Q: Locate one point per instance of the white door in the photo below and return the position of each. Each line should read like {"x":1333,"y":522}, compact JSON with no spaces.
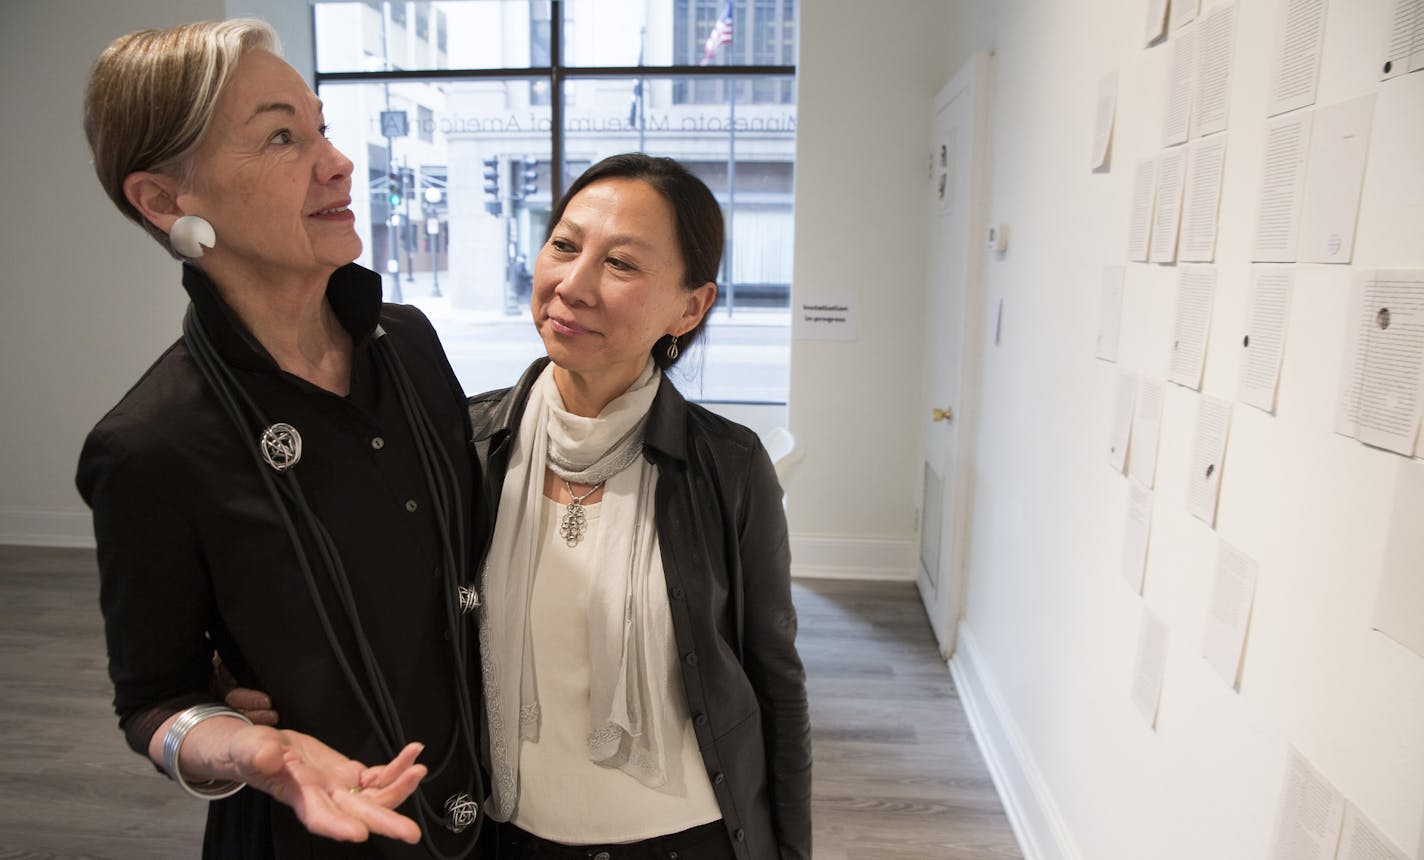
{"x":953,"y":319}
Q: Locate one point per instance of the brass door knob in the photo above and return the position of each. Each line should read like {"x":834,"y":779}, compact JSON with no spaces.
{"x":946,"y":414}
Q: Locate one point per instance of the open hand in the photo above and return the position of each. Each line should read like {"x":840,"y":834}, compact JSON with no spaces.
{"x":334,"y":796}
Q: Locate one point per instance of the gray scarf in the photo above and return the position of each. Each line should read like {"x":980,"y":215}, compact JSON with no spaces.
{"x":631,"y":651}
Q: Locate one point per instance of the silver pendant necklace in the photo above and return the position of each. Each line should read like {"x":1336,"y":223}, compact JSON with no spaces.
{"x":574,"y":522}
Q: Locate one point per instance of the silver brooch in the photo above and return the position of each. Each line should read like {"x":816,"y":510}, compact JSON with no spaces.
{"x":281,"y":446}
{"x":469,"y":599}
{"x":462,"y":810}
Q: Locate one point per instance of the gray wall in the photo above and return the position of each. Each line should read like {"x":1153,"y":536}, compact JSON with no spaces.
{"x":89,"y":300}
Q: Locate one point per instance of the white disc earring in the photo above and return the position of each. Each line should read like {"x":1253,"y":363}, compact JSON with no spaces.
{"x":190,"y":234}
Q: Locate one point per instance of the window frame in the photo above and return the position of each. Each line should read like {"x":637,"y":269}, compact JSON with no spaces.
{"x":556,"y":73}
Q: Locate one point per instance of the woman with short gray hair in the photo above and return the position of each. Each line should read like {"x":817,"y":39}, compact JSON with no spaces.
{"x":286,"y":485}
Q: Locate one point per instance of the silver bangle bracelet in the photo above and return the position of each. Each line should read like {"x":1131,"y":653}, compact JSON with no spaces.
{"x":173,"y":742}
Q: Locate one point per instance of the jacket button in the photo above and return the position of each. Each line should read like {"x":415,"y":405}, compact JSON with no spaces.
{"x":700,"y":719}
{"x":602,"y":855}
{"x":410,"y":505}
{"x":741,"y":835}
{"x":377,"y":442}
{"x":690,"y":659}
{"x":718,"y":778}
{"x":677,"y":592}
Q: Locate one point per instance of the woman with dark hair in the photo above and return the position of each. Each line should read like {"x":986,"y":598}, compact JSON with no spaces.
{"x":643,"y":690}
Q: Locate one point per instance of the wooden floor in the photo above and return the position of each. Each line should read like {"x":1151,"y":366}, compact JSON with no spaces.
{"x":897,"y":774}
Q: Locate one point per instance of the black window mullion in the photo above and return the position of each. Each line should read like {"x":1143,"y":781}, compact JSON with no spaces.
{"x":556,"y":100}
{"x":715,"y":77}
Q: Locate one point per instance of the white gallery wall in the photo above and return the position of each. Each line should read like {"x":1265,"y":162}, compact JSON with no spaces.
{"x":865,"y":75}
{"x":1049,"y":638}
{"x":86,"y":300}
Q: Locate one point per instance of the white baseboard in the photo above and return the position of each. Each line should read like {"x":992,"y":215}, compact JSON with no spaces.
{"x":1035,"y":818}
{"x":854,"y":558}
{"x":46,"y":528}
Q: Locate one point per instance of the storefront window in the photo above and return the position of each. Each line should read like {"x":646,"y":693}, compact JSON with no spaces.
{"x":459,"y":122}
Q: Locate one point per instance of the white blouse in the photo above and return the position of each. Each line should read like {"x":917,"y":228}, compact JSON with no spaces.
{"x":563,"y":795}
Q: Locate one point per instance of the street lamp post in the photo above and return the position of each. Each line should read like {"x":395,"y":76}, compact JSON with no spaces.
{"x":432,"y":229}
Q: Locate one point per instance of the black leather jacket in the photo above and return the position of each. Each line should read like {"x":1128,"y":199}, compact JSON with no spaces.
{"x":725,"y":556}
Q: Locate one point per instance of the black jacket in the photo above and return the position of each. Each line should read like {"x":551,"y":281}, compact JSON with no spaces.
{"x":725,"y":556}
{"x":194,"y":555}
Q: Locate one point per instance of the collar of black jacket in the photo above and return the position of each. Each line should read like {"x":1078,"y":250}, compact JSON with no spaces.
{"x":354,"y":293}
{"x":667,"y":418}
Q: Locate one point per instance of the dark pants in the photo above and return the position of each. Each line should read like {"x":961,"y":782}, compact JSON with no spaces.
{"x":707,"y":842}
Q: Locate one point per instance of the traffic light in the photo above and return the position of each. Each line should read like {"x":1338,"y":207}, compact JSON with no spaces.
{"x":529,"y":177}
{"x":492,"y":205}
{"x":395,"y":186}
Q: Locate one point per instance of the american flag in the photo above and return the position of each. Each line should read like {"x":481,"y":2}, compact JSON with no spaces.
{"x":721,"y":35}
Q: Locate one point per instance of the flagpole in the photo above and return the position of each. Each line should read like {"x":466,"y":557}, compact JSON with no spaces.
{"x":731,"y":183}
{"x":642,"y":106}
{"x":721,"y":35}
{"x":390,"y":171}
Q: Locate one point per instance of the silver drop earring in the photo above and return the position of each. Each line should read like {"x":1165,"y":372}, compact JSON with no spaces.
{"x":672,"y":349}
